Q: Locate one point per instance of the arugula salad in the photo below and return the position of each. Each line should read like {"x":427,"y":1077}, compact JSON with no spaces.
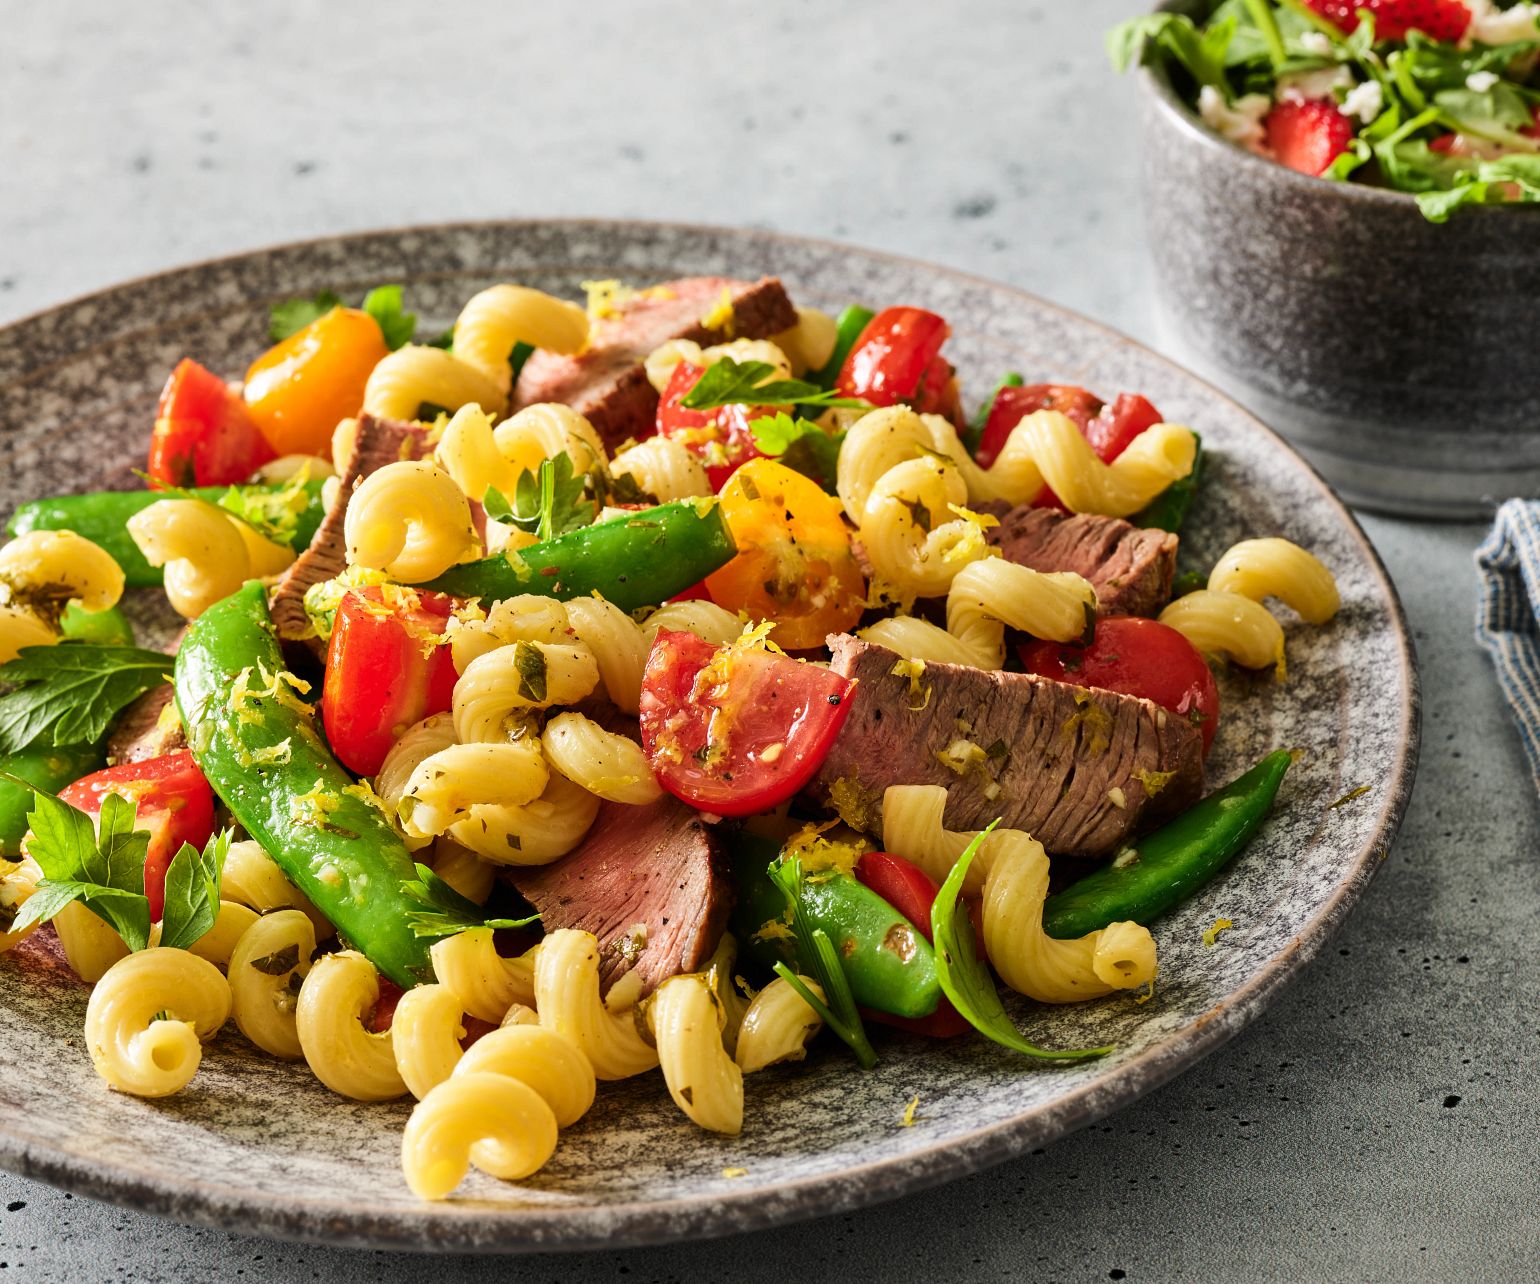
{"x":590,"y":690}
{"x":1440,"y":98}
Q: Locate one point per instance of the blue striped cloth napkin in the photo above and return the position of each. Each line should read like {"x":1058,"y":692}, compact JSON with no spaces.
{"x":1506,"y":623}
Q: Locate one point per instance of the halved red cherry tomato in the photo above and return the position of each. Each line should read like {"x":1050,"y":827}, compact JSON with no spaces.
{"x":1012,"y":405}
{"x":203,"y":435}
{"x":1136,"y":657}
{"x":898,"y":359}
{"x":384,"y":1014}
{"x":910,"y":890}
{"x":721,"y":437}
{"x":795,"y":564}
{"x":175,"y":805}
{"x":734,"y":729}
{"x":386,"y":668}
{"x":300,"y":389}
{"x":1115,"y":427}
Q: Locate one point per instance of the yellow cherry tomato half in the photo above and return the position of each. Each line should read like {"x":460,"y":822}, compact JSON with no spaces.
{"x":795,"y":564}
{"x":300,"y":389}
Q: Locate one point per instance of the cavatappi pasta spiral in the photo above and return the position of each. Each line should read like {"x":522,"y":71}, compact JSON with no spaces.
{"x":207,"y":553}
{"x":703,"y":1079}
{"x":500,"y":1109}
{"x":410,"y":520}
{"x":567,"y":999}
{"x":149,"y":1016}
{"x":986,"y":596}
{"x":484,"y":982}
{"x":1228,"y":618}
{"x":267,"y":970}
{"x":777,"y":1026}
{"x":1011,"y":870}
{"x":42,"y":572}
{"x":477,"y":369}
{"x":337,"y":996}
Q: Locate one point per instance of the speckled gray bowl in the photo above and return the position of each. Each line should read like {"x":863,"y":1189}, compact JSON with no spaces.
{"x":260,"y":1146}
{"x":1400,"y":355}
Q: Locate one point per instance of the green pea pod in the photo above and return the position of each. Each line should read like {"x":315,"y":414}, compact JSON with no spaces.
{"x":637,"y":560}
{"x":48,"y":768}
{"x":103,"y":517}
{"x":848,"y":328}
{"x":975,"y":430}
{"x":1169,"y":509}
{"x":889,"y":963}
{"x":1173,"y":862}
{"x":265,"y":758}
{"x":104,"y":628}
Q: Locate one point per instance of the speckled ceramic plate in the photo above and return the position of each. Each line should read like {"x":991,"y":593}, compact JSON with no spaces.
{"x":259,"y":1146}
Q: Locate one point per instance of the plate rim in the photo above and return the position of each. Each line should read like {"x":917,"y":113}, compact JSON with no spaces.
{"x":475,"y":1226}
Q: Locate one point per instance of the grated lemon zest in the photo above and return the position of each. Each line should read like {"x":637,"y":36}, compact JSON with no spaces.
{"x":1211,"y":935}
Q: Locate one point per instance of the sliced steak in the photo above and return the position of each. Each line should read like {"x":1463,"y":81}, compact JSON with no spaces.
{"x":1131,"y":567}
{"x":379,"y":442}
{"x":148,"y":728}
{"x":649,"y":882}
{"x":1077,"y":768}
{"x":607,"y":384}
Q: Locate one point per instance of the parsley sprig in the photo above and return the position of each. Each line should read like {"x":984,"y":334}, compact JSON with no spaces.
{"x":548,"y":503}
{"x":445,"y":912}
{"x":102,"y":867}
{"x":383,"y":303}
{"x":965,"y":978}
{"x":813,"y":943}
{"x":753,"y":383}
{"x":69,"y":694}
{"x":801,"y":445}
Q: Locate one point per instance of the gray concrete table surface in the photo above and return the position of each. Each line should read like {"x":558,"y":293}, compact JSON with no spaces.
{"x":1379,"y":1121}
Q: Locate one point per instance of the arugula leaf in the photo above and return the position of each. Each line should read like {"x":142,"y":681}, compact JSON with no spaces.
{"x":839,"y":1013}
{"x":965,"y":980}
{"x":801,"y":445}
{"x":1202,"y":53}
{"x":108,"y":879}
{"x":751,"y":383}
{"x":445,"y":912}
{"x":293,"y":315}
{"x":192,"y":892}
{"x":383,"y":303}
{"x":548,"y":503}
{"x":69,"y":693}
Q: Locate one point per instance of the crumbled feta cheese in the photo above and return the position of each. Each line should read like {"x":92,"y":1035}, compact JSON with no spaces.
{"x":1364,"y":101}
{"x":1312,"y":86}
{"x":1478,"y":82}
{"x":1490,"y":25}
{"x":1241,"y":123}
{"x":1317,"y":43}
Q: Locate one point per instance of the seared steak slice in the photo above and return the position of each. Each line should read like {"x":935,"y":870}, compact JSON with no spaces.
{"x":1130,"y":567}
{"x":148,"y":728}
{"x":606,"y":382}
{"x":649,"y":882}
{"x":379,"y":442}
{"x":1077,"y":768}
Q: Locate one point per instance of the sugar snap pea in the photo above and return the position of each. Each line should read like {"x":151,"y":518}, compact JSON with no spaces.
{"x":1167,"y":866}
{"x":257,"y":742}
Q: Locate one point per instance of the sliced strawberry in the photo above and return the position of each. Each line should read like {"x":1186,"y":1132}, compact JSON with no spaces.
{"x":1307,"y":136}
{"x":1440,"y":19}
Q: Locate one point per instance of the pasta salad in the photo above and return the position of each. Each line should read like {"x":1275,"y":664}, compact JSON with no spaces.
{"x":651,"y":684}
